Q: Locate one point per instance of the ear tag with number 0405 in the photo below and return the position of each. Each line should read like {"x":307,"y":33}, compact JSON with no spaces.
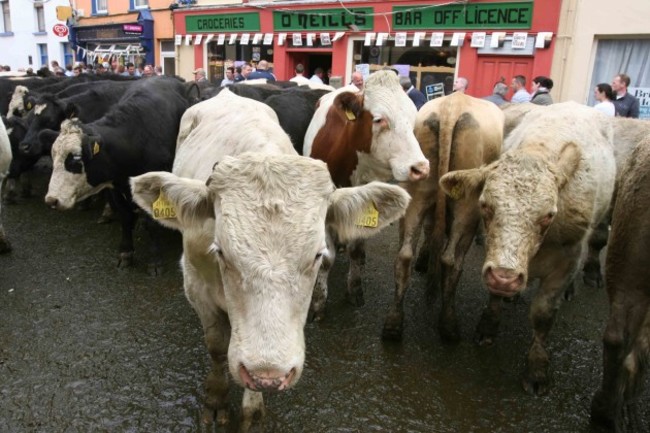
{"x":369,"y":217}
{"x":162,"y":208}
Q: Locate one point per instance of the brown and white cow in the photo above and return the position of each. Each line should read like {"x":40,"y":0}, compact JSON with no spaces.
{"x":5,"y":163}
{"x":364,"y":136}
{"x":626,"y":341}
{"x":254,"y":237}
{"x":539,"y":202}
{"x":456,"y":132}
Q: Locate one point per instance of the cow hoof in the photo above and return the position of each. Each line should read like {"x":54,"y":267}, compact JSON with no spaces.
{"x":538,"y":387}
{"x":449,"y":332}
{"x":104,"y":219}
{"x":593,"y":280}
{"x":155,"y":269}
{"x":393,"y":327}
{"x":10,"y":199}
{"x":422,"y":263}
{"x":484,"y":340}
{"x":356,"y":298}
{"x":125,"y":260}
{"x":5,"y":246}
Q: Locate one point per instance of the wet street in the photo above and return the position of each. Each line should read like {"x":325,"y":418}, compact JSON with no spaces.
{"x":85,"y":347}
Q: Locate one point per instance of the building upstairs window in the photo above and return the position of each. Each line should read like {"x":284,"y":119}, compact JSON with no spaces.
{"x":40,"y":16}
{"x":6,"y":17}
{"x":139,"y":4}
{"x":100,"y":7}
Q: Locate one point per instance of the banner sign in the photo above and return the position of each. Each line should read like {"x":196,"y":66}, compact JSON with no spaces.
{"x":249,"y":22}
{"x":507,"y":15}
{"x":323,"y":19}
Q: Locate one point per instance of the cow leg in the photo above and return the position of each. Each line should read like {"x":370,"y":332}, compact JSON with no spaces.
{"x":252,"y":409}
{"x":357,"y":252}
{"x":319,"y":296}
{"x":422,"y":262}
{"x":155,"y":257}
{"x":5,"y":246}
{"x":107,"y":213}
{"x":217,"y":339}
{"x":597,"y":241}
{"x":409,"y":229}
{"x":463,"y":228}
{"x":124,"y":209}
{"x":9,"y":195}
{"x":543,"y":310}
{"x":488,"y":327}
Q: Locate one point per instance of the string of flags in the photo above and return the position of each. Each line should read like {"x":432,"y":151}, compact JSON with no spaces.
{"x":518,"y":40}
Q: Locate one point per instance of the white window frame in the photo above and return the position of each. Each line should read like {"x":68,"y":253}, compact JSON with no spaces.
{"x":6,"y":16}
{"x":39,"y":12}
{"x":140,"y":4}
{"x":98,"y":6}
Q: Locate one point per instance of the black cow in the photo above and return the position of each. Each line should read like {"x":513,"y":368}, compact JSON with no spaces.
{"x":8,"y":85}
{"x":626,"y":341}
{"x":295,"y":108}
{"x":136,"y":136}
{"x":16,"y":130}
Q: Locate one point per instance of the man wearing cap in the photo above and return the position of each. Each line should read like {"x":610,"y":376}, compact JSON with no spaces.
{"x":199,"y":75}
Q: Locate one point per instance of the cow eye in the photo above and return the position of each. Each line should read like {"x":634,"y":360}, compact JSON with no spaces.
{"x":73,"y":163}
{"x":319,"y":255}
{"x":215,"y":250}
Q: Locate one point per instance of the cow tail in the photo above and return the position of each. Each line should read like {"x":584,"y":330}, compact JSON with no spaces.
{"x":445,"y":137}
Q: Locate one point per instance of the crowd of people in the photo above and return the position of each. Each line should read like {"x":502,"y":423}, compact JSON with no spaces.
{"x":78,"y":68}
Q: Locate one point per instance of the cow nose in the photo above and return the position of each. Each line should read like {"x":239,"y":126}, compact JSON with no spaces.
{"x":51,"y":201}
{"x":266,"y":380}
{"x":503,"y":281}
{"x":419,"y":171}
{"x":24,"y":147}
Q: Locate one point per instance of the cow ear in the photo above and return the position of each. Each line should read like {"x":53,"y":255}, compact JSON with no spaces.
{"x":567,"y":163}
{"x":47,"y":137}
{"x":362,"y":211}
{"x":463,"y":183}
{"x":349,"y":103}
{"x":173,"y":201}
{"x":70,"y":110}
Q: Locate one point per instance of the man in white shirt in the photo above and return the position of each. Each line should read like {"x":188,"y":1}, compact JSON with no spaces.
{"x":318,"y":76}
{"x":299,"y":77}
{"x":519,"y":87}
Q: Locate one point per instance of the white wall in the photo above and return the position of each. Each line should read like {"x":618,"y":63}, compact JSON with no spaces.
{"x":14,"y":50}
{"x":581,"y":24}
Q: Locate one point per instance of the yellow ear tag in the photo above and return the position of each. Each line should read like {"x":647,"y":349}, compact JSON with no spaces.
{"x":369,"y":217}
{"x":456,"y":192}
{"x":29,"y":105}
{"x":350,"y":115}
{"x":96,"y":148}
{"x":162,"y":208}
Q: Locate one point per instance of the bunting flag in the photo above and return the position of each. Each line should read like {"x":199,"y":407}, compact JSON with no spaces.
{"x":221,"y":39}
{"x":543,"y":39}
{"x":281,"y":38}
{"x":297,"y":40}
{"x":208,"y":39}
{"x":178,"y":39}
{"x":337,"y":36}
{"x":257,"y":38}
{"x":478,"y":39}
{"x":417,"y":36}
{"x":188,"y":39}
{"x":519,"y":40}
{"x":458,"y":39}
{"x":245,"y":38}
{"x":233,"y":39}
{"x":497,"y":39}
{"x":268,"y":39}
{"x":325,"y":39}
{"x":400,"y":39}
{"x":370,"y":36}
{"x":310,"y":39}
{"x":437,"y":38}
{"x":381,"y":37}
{"x":198,"y":39}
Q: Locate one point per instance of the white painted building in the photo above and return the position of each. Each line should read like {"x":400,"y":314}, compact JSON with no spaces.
{"x":27,"y":34}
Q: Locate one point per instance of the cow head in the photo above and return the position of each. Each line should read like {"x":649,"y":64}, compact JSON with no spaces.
{"x":518,"y":200}
{"x":262,"y":222}
{"x":80,"y":167}
{"x":47,"y":114}
{"x":393,"y":119}
{"x":18,"y":103}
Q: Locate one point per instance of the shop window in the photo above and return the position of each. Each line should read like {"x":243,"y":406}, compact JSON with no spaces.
{"x":100,"y":7}
{"x":626,"y":56}
{"x":40,"y":16}
{"x":222,"y":56}
{"x":168,"y":57}
{"x":138,"y":4}
{"x":68,"y":56}
{"x":42,"y":53}
{"x":6,"y":16}
{"x":425,"y":65}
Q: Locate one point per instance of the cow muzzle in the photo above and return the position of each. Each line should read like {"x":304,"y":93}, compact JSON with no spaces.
{"x":419,"y":171}
{"x":266,"y":380}
{"x":503,"y":281}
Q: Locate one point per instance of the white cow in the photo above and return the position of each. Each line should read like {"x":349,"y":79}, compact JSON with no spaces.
{"x":539,"y":203}
{"x":5,"y":162}
{"x":253,"y":239}
{"x":363,"y":137}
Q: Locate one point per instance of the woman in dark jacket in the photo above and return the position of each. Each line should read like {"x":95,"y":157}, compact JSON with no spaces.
{"x":541,"y":86}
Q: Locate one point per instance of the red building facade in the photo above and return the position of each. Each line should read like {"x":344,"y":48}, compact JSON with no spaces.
{"x":432,"y":41}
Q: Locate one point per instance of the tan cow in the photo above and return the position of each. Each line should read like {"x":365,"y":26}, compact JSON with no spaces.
{"x":455,"y":132}
{"x":626,"y":341}
{"x":254,"y":217}
{"x":363,"y":137}
{"x":539,"y":202}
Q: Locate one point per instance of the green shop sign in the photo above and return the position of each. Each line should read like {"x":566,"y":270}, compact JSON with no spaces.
{"x":223,"y":23}
{"x":508,"y":15}
{"x":323,"y":19}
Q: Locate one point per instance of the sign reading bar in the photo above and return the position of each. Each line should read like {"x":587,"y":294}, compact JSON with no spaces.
{"x":323,"y":19}
{"x":507,"y":15}
{"x":249,"y":21}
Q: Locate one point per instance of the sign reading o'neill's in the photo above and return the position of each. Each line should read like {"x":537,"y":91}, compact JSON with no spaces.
{"x":323,"y":19}
{"x":506,"y":15}
{"x":247,"y":21}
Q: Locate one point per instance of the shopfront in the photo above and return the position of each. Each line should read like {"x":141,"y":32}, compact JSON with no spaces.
{"x":484,"y":41}
{"x":127,"y":42}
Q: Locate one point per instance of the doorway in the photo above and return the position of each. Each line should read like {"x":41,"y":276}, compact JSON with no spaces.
{"x":310,"y":61}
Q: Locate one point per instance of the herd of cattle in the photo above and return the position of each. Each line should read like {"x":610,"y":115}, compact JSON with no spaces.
{"x":261,"y":223}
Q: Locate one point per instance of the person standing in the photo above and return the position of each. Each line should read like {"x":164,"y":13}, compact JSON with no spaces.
{"x":262,"y":72}
{"x":460,"y":84}
{"x":626,"y":104}
{"x":541,"y":86}
{"x":605,"y":95}
{"x":414,"y":94}
{"x":498,"y":95}
{"x":357,"y":80}
{"x":200,"y":75}
{"x":519,"y":87}
{"x":300,"y":78}
{"x":318,"y":76}
{"x":230,"y":77}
